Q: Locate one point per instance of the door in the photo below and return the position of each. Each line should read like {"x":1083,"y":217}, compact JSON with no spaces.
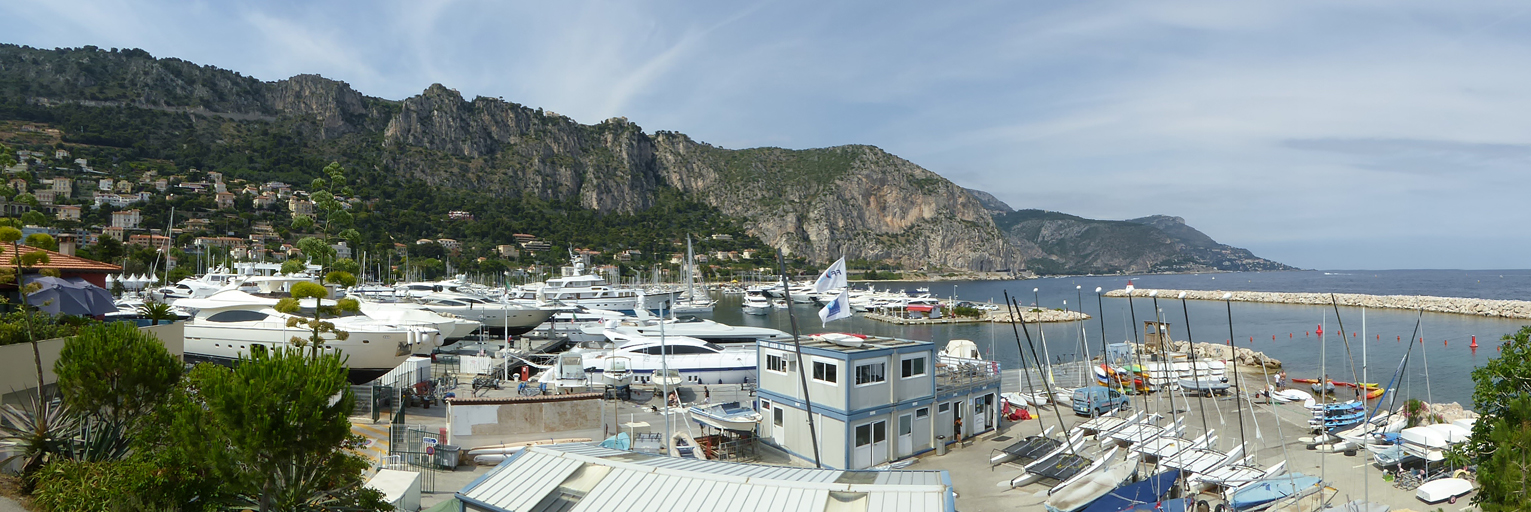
{"x":981,"y":415}
{"x":861,"y":456}
{"x":959,"y":422}
{"x":905,"y":435}
{"x":778,"y":428}
{"x":879,"y":443}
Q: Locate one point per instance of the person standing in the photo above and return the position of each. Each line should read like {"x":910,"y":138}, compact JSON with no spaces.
{"x":957,"y":429}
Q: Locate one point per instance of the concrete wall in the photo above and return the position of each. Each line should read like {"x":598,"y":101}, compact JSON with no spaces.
{"x":476,"y":417}
{"x":18,"y":371}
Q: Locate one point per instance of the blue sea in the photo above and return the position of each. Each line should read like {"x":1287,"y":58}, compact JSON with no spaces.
{"x":1439,"y":369}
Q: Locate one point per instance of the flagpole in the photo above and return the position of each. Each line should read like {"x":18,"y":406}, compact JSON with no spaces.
{"x":802,"y":371}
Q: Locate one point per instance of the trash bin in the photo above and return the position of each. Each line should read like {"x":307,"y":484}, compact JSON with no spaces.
{"x":940,"y":445}
{"x":447,"y":455}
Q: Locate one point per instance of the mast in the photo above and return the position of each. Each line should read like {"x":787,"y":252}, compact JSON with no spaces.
{"x":1039,"y":369}
{"x":1234,"y":355}
{"x":1030,"y":388}
{"x":802,"y":372}
{"x":1195,"y":376}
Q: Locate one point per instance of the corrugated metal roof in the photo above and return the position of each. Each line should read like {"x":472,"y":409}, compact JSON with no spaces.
{"x":519,"y":485}
{"x":649,"y":482}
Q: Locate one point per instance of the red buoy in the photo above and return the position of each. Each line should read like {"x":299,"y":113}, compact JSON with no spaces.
{"x":1443,"y":342}
{"x":1475,"y":343}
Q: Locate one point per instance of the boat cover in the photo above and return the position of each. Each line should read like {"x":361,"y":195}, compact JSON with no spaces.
{"x":1146,"y":492}
{"x":1084,"y":492}
{"x":1271,"y":489}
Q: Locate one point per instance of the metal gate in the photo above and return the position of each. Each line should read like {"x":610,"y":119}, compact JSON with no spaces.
{"x":408,"y":450}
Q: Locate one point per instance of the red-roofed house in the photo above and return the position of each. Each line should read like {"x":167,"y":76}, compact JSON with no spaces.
{"x":68,"y":266}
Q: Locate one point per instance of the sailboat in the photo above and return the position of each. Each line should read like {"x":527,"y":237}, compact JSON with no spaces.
{"x":1027,"y":449}
{"x":1075,"y":495}
{"x":690,"y":302}
{"x":1150,"y":491}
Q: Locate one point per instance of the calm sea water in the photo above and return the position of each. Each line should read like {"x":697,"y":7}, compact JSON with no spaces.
{"x":1439,"y":369}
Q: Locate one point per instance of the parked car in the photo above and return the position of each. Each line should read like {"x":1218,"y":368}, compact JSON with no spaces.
{"x":1098,"y":400}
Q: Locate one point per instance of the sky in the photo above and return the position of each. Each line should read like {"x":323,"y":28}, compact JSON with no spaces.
{"x":1322,"y":134}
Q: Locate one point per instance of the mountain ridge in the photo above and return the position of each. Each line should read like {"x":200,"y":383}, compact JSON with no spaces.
{"x":856,"y":201}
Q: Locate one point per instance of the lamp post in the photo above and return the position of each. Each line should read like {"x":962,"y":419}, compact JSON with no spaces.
{"x":1036,"y":298}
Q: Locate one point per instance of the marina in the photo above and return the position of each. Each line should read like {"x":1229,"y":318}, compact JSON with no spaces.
{"x":1088,"y":419}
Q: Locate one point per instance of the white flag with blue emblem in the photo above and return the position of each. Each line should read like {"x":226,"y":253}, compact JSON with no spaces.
{"x":836,"y":309}
{"x":833,"y":277}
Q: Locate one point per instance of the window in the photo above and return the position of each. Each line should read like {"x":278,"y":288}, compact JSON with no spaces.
{"x":871,"y":373}
{"x":914,"y":367}
{"x":944,"y":408}
{"x":826,"y":372}
{"x":237,"y":315}
{"x":778,"y":416}
{"x":776,"y":363}
{"x":922,"y":412}
{"x":765,"y":405}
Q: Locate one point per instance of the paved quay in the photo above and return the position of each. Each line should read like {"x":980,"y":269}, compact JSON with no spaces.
{"x":1273,"y":434}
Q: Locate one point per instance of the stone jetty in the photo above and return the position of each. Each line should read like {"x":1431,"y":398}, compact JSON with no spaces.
{"x":1039,"y":316}
{"x":1450,"y":305}
{"x":1213,"y":351}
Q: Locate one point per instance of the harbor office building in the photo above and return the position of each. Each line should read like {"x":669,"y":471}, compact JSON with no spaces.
{"x":874,"y":402}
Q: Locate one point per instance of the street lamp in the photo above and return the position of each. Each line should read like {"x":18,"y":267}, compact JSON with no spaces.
{"x":1036,"y":298}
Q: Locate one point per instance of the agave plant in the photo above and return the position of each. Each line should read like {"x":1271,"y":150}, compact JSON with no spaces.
{"x":307,"y":488}
{"x":38,"y":434}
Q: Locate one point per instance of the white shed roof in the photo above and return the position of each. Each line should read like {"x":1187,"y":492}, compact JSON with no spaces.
{"x":588,"y":478}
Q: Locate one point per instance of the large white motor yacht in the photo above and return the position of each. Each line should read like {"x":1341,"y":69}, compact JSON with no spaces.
{"x":229,"y":324}
{"x":698,"y":361}
{"x":756,"y":303}
{"x":703,"y":329}
{"x":496,"y":316}
{"x":576,"y":288}
{"x":452,"y":327}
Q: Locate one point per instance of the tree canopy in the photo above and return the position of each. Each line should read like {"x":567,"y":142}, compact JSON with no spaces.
{"x":1501,"y":441}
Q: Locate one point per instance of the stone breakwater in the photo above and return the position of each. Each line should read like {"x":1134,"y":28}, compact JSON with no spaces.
{"x":1039,"y":316}
{"x":1216,"y":352}
{"x":1450,"y":305}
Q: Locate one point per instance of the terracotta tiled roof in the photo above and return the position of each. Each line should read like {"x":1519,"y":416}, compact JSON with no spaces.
{"x":59,"y":261}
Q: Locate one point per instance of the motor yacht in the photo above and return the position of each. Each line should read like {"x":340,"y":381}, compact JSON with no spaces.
{"x":756,"y":303}
{"x":576,"y":288}
{"x":452,"y":327}
{"x":228,"y":324}
{"x":703,"y":329}
{"x":697,"y":361}
{"x":495,"y":316}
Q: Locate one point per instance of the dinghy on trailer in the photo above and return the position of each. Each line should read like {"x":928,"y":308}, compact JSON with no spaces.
{"x":1072,"y":496}
{"x":1059,"y":466}
{"x":1144,"y":431}
{"x":1150,"y":492}
{"x":1262,"y":493}
{"x":1445,"y":489}
{"x":1027,"y":449}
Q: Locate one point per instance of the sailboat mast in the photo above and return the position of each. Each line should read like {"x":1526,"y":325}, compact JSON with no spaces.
{"x":1039,"y":369}
{"x":1233,"y":355}
{"x":1015,"y":312}
{"x":1195,"y":376}
{"x":802,"y":372}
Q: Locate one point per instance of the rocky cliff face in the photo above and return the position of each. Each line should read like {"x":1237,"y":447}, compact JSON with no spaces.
{"x":855,"y":201}
{"x":1070,"y":244}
